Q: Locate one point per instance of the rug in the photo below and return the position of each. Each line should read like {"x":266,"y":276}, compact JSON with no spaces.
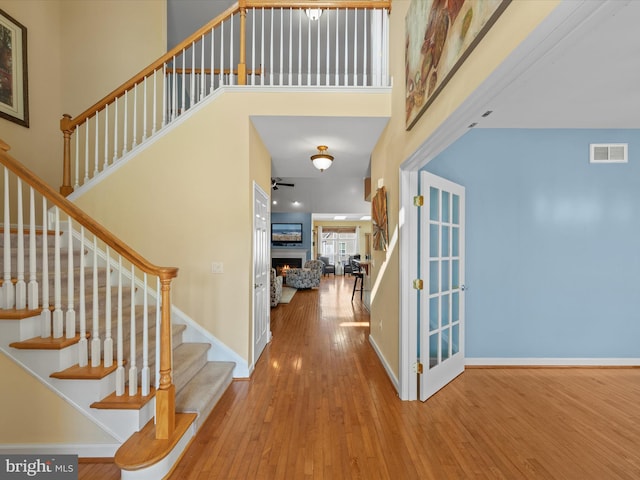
{"x":287,"y":294}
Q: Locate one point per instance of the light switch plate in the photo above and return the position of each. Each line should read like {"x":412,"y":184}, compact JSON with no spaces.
{"x":217,"y":267}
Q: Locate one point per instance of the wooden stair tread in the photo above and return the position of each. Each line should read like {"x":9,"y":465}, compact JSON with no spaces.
{"x":76,"y":372}
{"x":142,"y":449}
{"x":21,"y":314}
{"x":124,"y":402}
{"x":49,"y":343}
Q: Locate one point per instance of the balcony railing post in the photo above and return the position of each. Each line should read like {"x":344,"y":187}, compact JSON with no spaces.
{"x":65,"y":125}
{"x":242,"y":66}
{"x":166,"y":393}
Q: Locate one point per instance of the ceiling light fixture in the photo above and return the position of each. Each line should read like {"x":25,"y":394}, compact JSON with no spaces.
{"x":322,"y":160}
{"x":313,"y":13}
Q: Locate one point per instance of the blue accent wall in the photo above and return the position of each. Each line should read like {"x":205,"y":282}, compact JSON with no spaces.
{"x":305,"y":219}
{"x":552,"y":243}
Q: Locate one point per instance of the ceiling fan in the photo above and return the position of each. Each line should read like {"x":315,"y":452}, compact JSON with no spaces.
{"x":276,"y":182}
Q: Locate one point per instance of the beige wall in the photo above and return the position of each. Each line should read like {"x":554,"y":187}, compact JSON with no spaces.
{"x":75,"y":58}
{"x":40,"y":145}
{"x":110,"y":42}
{"x":31,"y":413}
{"x":186,"y":201}
{"x":397,"y":144}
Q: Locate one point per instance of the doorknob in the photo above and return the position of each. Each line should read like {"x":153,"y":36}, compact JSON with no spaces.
{"x":463,"y":287}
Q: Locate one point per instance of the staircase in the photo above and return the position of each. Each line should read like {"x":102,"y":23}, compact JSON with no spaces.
{"x":90,"y":329}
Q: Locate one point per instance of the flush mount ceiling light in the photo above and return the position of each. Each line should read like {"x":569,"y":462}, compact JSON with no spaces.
{"x":313,"y":13}
{"x":322,"y":160}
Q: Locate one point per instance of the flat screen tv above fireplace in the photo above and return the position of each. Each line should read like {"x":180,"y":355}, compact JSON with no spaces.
{"x":286,"y":233}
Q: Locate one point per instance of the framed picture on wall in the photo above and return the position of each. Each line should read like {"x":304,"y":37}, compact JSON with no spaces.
{"x":379,"y":220}
{"x":14,"y":104}
{"x":440,"y":35}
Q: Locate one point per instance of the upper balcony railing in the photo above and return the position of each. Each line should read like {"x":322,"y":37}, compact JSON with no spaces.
{"x":271,"y":44}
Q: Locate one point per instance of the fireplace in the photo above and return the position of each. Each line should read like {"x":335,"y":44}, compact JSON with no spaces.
{"x":284,"y":263}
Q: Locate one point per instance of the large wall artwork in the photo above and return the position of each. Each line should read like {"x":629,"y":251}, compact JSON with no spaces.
{"x":440,"y":35}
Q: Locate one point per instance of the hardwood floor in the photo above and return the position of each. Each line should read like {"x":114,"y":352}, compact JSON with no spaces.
{"x":320,"y":406}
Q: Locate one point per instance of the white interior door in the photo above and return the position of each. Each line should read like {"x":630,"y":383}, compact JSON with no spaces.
{"x":261,"y":270}
{"x":441,"y":325}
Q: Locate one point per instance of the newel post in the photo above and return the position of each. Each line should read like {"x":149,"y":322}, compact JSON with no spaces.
{"x":242,"y":66}
{"x":65,"y":125}
{"x":166,"y":393}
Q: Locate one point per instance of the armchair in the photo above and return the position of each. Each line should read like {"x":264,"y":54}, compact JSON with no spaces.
{"x":327,"y":267}
{"x":306,"y":277}
{"x":276,"y":288}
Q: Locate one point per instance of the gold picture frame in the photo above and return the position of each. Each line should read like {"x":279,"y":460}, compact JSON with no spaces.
{"x":14,"y":99}
{"x":379,"y":220}
{"x":440,"y":35}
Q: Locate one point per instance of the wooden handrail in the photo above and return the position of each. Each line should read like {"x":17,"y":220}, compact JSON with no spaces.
{"x":384,"y":4}
{"x":81,"y":217}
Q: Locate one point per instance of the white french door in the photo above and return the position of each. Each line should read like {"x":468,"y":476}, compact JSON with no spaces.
{"x":261,"y":272}
{"x":441,"y":322}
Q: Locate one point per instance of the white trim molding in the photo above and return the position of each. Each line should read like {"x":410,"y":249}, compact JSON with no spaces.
{"x":385,"y":364}
{"x":552,"y":362}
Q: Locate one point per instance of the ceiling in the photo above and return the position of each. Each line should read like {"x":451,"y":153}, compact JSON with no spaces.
{"x":588,"y":79}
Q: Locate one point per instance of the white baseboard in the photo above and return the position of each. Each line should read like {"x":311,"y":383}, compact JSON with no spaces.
{"x":99,"y":450}
{"x":552,"y":362}
{"x":385,"y":364}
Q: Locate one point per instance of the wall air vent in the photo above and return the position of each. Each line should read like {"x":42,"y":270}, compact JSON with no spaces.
{"x":608,"y":153}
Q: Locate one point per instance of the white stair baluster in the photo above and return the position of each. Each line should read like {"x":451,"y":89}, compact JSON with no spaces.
{"x":318,"y":54}
{"x":45,"y":315}
{"x":134,"y":141}
{"x":202,"y":68}
{"x":308,"y":50}
{"x":58,"y":316}
{"x":77,"y":159}
{"x":115,"y":131}
{"x":133,"y":370}
{"x":83,"y":345}
{"x":281,"y":80}
{"x":192,"y":83}
{"x":355,"y":48}
{"x":365,"y":52}
{"x":346,"y":47}
{"x":120,"y":373}
{"x":154,"y":101}
{"x":328,"y":48}
{"x":106,"y":136}
{"x":146,"y":380}
{"x":96,"y":160}
{"x":290,"y":80}
{"x":174,"y":95}
{"x":212,"y":66}
{"x":125,"y":124}
{"x":32,"y":289}
{"x":108,"y":341}
{"x":86,"y":151}
{"x":231,"y":42}
{"x":95,"y":320}
{"x":337,"y":79}
{"x":184,"y":81}
{"x":70,"y":317}
{"x":271,"y":52}
{"x":300,"y":47}
{"x":253,"y":47}
{"x":262,"y":49}
{"x":8,"y":291}
{"x":221,"y":81}
{"x":21,"y":286}
{"x":144,"y":104}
